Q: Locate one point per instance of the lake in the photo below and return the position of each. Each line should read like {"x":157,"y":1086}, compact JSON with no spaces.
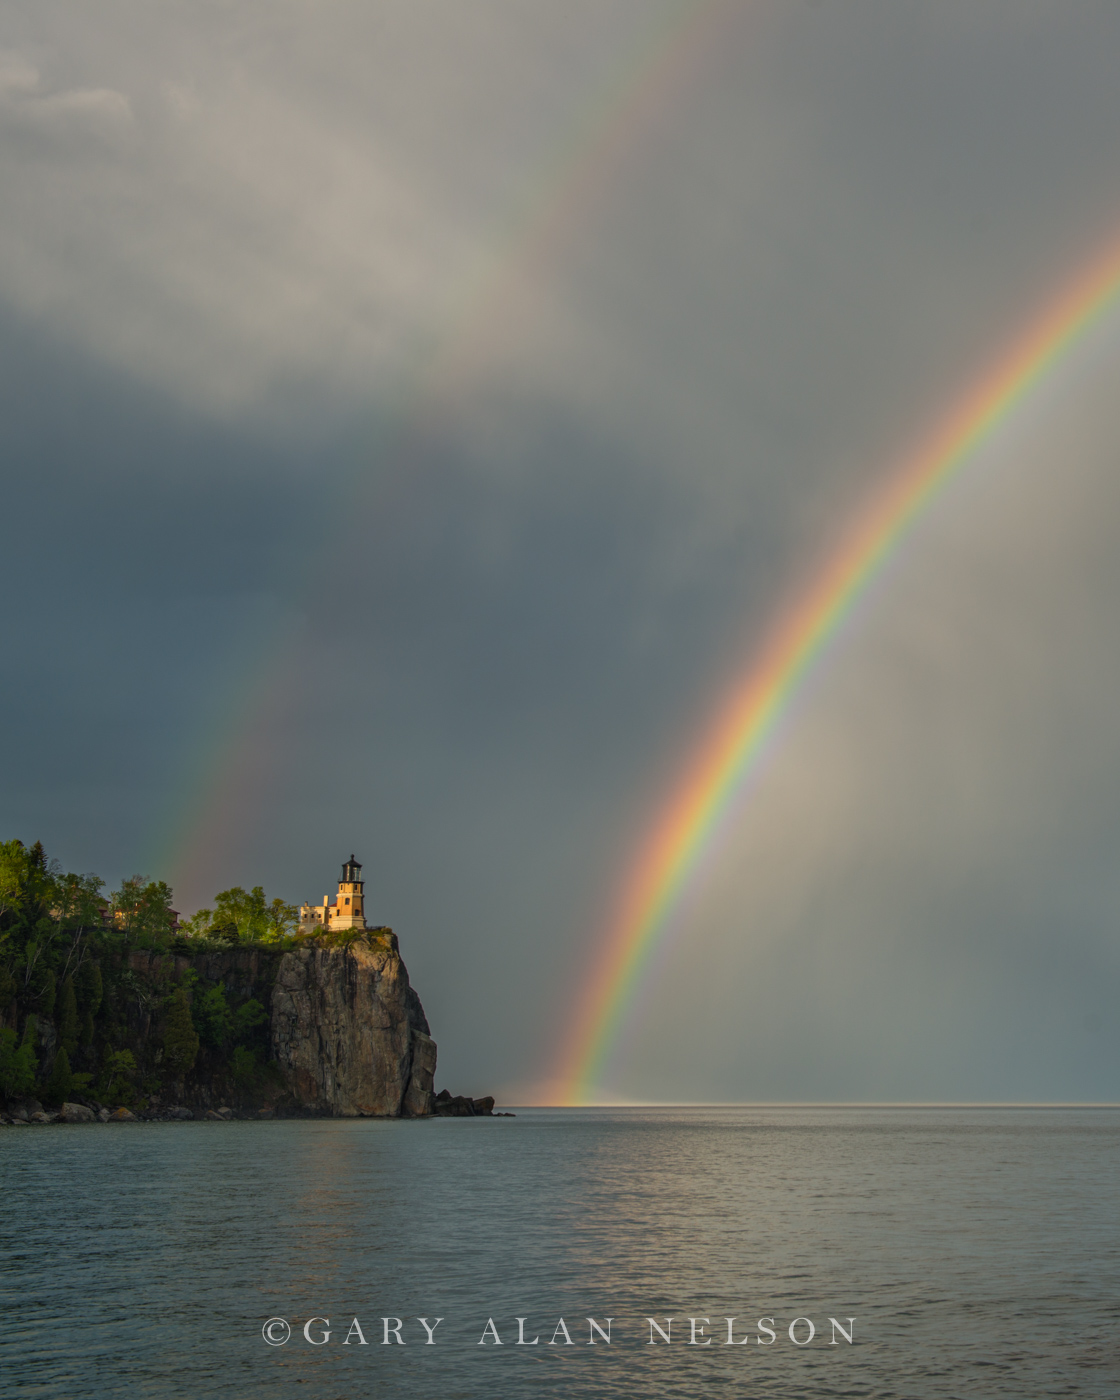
{"x":968,"y":1252}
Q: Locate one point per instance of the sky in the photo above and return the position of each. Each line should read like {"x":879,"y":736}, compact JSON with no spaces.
{"x":414,"y":416}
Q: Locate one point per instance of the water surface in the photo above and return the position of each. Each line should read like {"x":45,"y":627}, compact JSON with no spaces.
{"x":978,"y":1251}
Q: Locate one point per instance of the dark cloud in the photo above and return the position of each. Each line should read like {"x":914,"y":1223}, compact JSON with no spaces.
{"x":270,"y":599}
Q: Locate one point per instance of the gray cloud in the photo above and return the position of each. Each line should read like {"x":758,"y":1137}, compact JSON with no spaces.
{"x":257,"y":580}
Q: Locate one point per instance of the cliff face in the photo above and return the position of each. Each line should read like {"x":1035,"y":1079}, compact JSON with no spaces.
{"x":348,"y":1032}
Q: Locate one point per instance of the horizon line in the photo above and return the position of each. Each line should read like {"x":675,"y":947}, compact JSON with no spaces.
{"x":829,"y":1103}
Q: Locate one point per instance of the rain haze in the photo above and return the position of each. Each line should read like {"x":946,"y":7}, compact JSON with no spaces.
{"x":415,"y":417}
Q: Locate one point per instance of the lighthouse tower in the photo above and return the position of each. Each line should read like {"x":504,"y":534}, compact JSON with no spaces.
{"x":348,"y":910}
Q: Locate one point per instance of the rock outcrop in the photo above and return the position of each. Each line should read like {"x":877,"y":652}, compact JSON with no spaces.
{"x":447,"y":1105}
{"x":348,"y":1032}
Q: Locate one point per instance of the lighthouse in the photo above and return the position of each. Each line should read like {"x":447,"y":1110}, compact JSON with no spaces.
{"x":346,"y":910}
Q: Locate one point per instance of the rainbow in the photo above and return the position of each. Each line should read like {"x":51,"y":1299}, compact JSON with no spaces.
{"x":228,"y":779}
{"x":744,"y":726}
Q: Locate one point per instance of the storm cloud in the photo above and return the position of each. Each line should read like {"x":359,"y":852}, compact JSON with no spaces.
{"x":413,"y":417}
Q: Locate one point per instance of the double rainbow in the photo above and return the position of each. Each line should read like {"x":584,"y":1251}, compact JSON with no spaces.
{"x":731,"y":749}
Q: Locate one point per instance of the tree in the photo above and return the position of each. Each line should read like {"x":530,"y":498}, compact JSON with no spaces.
{"x":244,"y":1065}
{"x":257,"y":920}
{"x":89,"y":989}
{"x":213,"y":1017}
{"x":59,"y":1084}
{"x":250,"y":1020}
{"x":142,"y":907}
{"x":13,"y":876}
{"x":198,"y":925}
{"x":17,"y":1065}
{"x":244,"y":916}
{"x":68,"y":1023}
{"x":26,"y":879}
{"x":42,"y":990}
{"x":119,"y":1069}
{"x":77,"y":909}
{"x":180,"y":1039}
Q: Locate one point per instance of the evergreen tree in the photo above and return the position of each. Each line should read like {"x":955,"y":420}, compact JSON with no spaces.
{"x":212,"y":1017}
{"x":68,"y":1024}
{"x":17,"y":1065}
{"x":61,"y":1080}
{"x":118,"y":1070}
{"x":88,"y":986}
{"x":180,"y":1039}
{"x":7,"y":989}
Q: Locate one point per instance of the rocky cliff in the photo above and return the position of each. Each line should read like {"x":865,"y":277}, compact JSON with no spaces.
{"x":335,"y":1029}
{"x":348,"y":1032}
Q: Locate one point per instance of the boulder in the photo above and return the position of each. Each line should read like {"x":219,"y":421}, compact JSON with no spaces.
{"x":103,"y":1115}
{"x":225,"y":1113}
{"x":446,"y":1106}
{"x":484,"y":1107}
{"x":76,"y":1113}
{"x":178,"y":1112}
{"x":214,"y":1117}
{"x":121,"y":1115}
{"x":266,"y":1113}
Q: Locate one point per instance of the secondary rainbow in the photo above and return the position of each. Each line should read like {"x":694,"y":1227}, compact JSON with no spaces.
{"x":223,"y":792}
{"x":730,"y":750}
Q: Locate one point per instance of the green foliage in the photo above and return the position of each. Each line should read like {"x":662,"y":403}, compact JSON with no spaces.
{"x":17,"y":1065}
{"x":180,"y":1039}
{"x":43,"y":990}
{"x":68,"y":1023}
{"x":13,"y":875}
{"x":250,"y":1020}
{"x":142,"y":907}
{"x":58,"y":1085}
{"x":68,"y":952}
{"x":89,"y":987}
{"x":198,"y":925}
{"x":244,"y":916}
{"x":115,"y":1083}
{"x":26,"y":882}
{"x":245,"y":1067}
{"x":212,"y":1017}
